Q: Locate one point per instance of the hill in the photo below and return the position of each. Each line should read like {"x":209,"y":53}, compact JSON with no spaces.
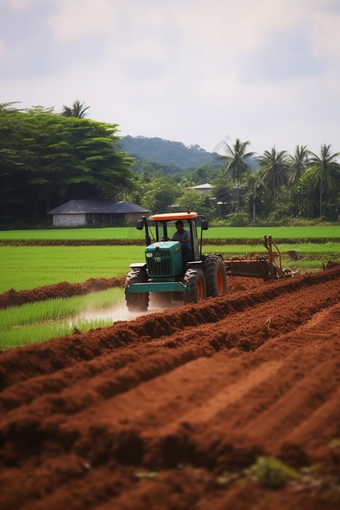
{"x":167,"y":152}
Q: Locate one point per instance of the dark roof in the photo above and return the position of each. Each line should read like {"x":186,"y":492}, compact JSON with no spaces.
{"x":98,"y":206}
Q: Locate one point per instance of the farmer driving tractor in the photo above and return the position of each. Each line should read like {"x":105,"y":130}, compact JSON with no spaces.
{"x":181,"y":235}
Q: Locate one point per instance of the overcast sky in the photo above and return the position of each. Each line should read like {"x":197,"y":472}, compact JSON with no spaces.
{"x":194,"y":71}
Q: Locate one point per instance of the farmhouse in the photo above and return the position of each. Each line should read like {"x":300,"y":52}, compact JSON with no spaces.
{"x":94,"y":212}
{"x":202,"y":189}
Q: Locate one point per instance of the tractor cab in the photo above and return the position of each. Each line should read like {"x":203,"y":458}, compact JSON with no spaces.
{"x":165,"y":227}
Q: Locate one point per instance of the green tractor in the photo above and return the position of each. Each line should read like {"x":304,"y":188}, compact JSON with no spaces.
{"x":171,"y":273}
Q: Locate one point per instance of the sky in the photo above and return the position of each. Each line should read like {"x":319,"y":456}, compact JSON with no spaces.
{"x":202,"y":72}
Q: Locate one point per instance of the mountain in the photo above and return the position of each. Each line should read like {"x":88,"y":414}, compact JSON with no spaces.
{"x":166,"y":152}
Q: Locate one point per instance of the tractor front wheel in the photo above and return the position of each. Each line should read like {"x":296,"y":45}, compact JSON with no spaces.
{"x":195,"y":282}
{"x":136,"y":302}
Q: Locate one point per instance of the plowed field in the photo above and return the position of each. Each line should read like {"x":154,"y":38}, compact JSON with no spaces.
{"x":171,"y":410}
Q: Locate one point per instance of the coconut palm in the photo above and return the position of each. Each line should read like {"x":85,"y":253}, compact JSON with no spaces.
{"x":76,"y":110}
{"x":324,"y":170}
{"x":237,"y":163}
{"x":251,"y":196}
{"x":298,"y":163}
{"x":274,"y":171}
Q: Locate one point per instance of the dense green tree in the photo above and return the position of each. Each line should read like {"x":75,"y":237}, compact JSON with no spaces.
{"x":46,"y":159}
{"x":14,"y":151}
{"x":305,"y":198}
{"x":206,"y":173}
{"x":161,"y":194}
{"x":76,"y":110}
{"x":274,"y":172}
{"x":252,"y":195}
{"x":8,"y":107}
{"x":191,"y":198}
{"x":222,"y":196}
{"x":151,"y":170}
{"x":237,"y":163}
{"x":324,"y":171}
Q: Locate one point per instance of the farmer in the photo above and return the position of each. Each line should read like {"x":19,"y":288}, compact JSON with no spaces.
{"x":183,"y":237}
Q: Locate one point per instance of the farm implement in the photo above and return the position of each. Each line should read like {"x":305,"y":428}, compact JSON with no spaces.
{"x":178,"y":271}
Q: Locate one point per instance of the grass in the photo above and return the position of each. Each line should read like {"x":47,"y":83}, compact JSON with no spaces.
{"x":308,"y":232}
{"x":277,"y":233}
{"x":73,"y":233}
{"x":311,"y":256}
{"x":37,"y":322}
{"x":26,"y":267}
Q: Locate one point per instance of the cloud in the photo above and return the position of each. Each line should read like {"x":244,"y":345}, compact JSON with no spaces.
{"x":78,"y":19}
{"x":18,"y":5}
{"x":287,"y":58}
{"x":187,"y":70}
{"x":326,"y":34}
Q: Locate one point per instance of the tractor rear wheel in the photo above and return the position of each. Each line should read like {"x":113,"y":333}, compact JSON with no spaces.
{"x":215,"y":275}
{"x":195,"y":281}
{"x":136,"y":302}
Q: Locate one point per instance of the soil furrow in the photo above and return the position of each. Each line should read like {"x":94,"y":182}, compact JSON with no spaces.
{"x":172,"y":409}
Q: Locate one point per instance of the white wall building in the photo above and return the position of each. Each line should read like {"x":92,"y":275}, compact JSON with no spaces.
{"x":93,"y":212}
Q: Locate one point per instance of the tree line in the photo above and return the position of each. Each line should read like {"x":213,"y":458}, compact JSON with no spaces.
{"x":48,"y":158}
{"x":287,"y":184}
{"x":247,"y":187}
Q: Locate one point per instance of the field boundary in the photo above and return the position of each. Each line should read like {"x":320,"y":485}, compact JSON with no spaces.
{"x":12,"y":297}
{"x":141,"y":242}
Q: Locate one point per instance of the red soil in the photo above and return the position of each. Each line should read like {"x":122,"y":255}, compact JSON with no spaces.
{"x":59,"y":290}
{"x":168,"y":411}
{"x":67,"y":290}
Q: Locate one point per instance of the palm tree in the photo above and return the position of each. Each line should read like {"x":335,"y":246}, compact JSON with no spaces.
{"x":251,"y":195}
{"x":76,"y":110}
{"x":274,"y":171}
{"x":298,"y":163}
{"x":323,"y":170}
{"x":237,"y":163}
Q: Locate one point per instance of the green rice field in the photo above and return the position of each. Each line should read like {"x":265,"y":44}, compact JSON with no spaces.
{"x":310,"y":232}
{"x":27,"y":267}
{"x":37,"y":322}
{"x":91,"y":234}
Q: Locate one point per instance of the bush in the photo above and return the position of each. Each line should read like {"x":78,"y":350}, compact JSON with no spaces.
{"x":239,"y":219}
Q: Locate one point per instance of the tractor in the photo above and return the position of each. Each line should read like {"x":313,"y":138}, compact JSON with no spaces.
{"x":168,"y":273}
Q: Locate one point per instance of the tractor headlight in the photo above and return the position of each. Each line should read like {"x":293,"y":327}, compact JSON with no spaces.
{"x":149,"y":254}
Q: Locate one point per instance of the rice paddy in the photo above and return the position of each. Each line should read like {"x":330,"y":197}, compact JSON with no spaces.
{"x":37,"y":322}
{"x":131,"y":233}
{"x":27,"y":267}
